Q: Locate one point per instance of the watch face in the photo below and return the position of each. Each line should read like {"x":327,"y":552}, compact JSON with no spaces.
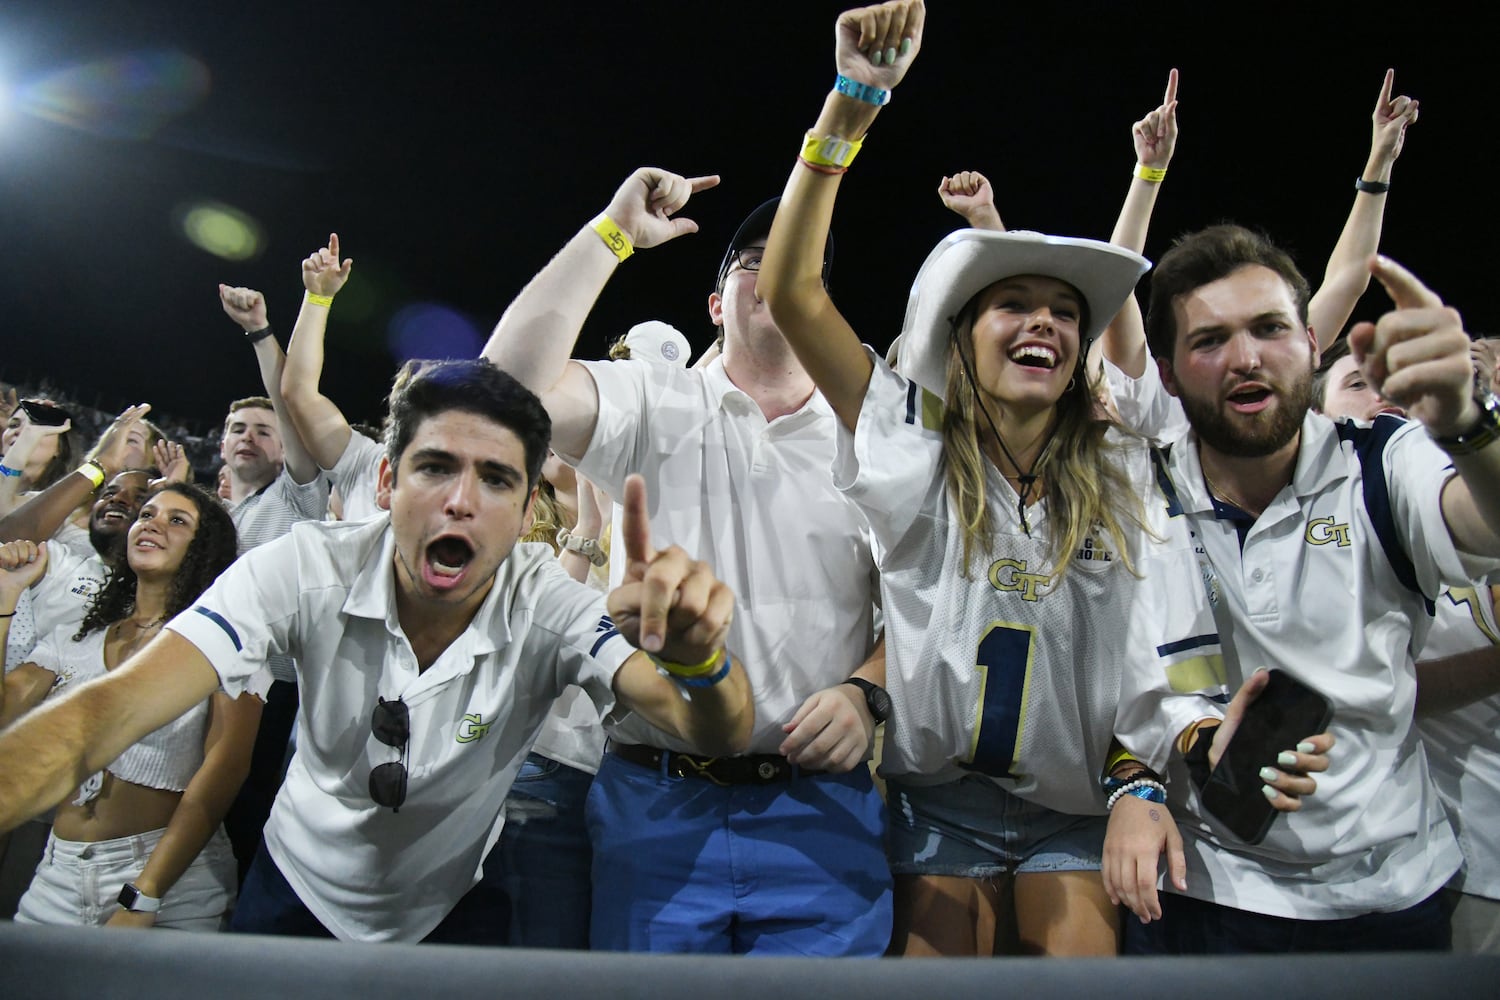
{"x":880,"y":703}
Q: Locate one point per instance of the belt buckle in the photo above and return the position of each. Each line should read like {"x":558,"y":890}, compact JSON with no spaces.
{"x":701,"y":769}
{"x":767,"y":770}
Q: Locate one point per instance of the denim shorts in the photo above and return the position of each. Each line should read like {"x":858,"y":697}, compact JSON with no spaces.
{"x":975,"y":829}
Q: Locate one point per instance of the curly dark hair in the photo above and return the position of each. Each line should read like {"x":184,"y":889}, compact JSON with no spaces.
{"x":210,"y":552}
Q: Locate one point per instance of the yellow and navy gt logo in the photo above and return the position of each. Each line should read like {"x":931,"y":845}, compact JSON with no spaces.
{"x":1010,"y":575}
{"x":471,"y":729}
{"x":1322,"y":530}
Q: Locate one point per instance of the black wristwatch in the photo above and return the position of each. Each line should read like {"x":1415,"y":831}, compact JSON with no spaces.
{"x":137,"y":901}
{"x":877,"y":700}
{"x":1485,"y":429}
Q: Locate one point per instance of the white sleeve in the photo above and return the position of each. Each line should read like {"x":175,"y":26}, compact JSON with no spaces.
{"x":1145,"y":406}
{"x":249,"y":614}
{"x":1416,"y":472}
{"x":889,"y":464}
{"x":74,"y":575}
{"x":308,"y":500}
{"x":571,"y":628}
{"x":623,"y":424}
{"x":355,"y":475}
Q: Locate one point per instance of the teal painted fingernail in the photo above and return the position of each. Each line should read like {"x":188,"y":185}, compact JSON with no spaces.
{"x":1306,"y":748}
{"x":1267,"y":774}
{"x":905,"y":46}
{"x":875,"y":56}
{"x":1286,"y":759}
{"x":890,"y":56}
{"x":1268,"y":791}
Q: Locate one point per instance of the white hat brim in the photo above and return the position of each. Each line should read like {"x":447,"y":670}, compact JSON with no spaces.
{"x":970,"y":260}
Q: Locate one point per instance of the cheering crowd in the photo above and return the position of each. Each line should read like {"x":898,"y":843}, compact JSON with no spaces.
{"x":596,"y":654}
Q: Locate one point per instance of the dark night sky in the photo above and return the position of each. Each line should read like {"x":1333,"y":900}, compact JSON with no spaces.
{"x":454,"y":148}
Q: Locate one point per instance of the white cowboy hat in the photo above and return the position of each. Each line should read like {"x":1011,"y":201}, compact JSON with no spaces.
{"x":970,"y":260}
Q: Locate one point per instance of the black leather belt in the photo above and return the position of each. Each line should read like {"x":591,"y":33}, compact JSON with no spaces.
{"x":751,"y":769}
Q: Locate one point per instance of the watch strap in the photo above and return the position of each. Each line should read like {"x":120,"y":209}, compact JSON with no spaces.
{"x":1484,"y":430}
{"x":137,"y":901}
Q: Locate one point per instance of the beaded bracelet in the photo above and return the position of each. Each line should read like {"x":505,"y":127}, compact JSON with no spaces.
{"x":1141,"y":788}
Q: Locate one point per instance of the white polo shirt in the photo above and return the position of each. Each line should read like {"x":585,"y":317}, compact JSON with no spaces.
{"x":356,"y":474}
{"x":325,"y":595}
{"x":1327,"y":587}
{"x":1463,"y":746}
{"x":755,"y":500}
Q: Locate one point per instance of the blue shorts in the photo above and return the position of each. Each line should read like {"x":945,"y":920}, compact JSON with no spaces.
{"x":975,"y":829}
{"x":685,"y":865}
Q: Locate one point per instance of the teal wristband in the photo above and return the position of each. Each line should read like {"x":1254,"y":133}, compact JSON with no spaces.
{"x":8,"y":472}
{"x":861,"y":91}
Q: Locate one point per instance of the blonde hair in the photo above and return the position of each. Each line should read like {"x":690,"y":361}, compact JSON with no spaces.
{"x":1087,"y":493}
{"x":546,"y":517}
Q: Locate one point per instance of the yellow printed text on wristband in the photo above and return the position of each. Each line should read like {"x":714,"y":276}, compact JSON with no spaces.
{"x":613,"y":236}
{"x":93,"y":472}
{"x":326,"y":301}
{"x":830,"y":150}
{"x":1152,"y":175}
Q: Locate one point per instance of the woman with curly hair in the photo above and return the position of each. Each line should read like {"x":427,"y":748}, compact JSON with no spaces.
{"x":145,"y":832}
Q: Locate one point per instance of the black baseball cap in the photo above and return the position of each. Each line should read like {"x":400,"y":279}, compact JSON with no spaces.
{"x":755,"y":228}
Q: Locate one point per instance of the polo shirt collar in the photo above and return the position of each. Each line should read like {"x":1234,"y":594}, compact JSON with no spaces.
{"x":373,"y":596}
{"x":722,"y":388}
{"x":1318,"y":467}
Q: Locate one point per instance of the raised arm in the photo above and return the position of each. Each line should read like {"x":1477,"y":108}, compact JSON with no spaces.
{"x":1155,"y":139}
{"x":247,"y":307}
{"x":18,"y":456}
{"x":534,"y":339}
{"x":56,"y":747}
{"x":684,"y":680}
{"x":874,"y":47}
{"x":968,"y":194}
{"x":44,"y":513}
{"x":1348,"y":274}
{"x":320,"y":424}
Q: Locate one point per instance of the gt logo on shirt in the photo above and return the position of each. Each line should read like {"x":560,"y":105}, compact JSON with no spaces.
{"x":471,"y":729}
{"x":1010,"y":575}
{"x":1322,"y":530}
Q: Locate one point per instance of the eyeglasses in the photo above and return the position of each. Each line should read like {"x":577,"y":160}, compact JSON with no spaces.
{"x":749,"y":258}
{"x":390,"y":723}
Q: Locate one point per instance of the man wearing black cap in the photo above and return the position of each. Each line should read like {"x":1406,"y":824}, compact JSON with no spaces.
{"x":779,"y":851}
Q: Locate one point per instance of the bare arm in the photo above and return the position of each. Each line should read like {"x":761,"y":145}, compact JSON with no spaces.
{"x":226,"y":761}
{"x":791,"y":275}
{"x":1155,"y":138}
{"x":833,"y":730}
{"x":55,"y":748}
{"x":1347,"y":276}
{"x":675,"y":611}
{"x":19,"y":456}
{"x":969,"y":195}
{"x":534,"y":339}
{"x":247,"y":307}
{"x":320,"y":424}
{"x":39,"y":517}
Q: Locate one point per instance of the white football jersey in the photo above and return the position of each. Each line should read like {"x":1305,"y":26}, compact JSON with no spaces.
{"x":1000,"y":671}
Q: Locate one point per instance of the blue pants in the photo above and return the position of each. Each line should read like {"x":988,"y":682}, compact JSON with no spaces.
{"x":685,"y":865}
{"x":1191,"y":926}
{"x":539,"y":871}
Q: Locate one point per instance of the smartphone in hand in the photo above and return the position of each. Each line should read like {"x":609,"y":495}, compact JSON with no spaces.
{"x":39,"y":411}
{"x":1286,"y":713}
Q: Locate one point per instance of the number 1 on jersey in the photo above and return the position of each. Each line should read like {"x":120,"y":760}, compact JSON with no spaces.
{"x":1004,"y":664}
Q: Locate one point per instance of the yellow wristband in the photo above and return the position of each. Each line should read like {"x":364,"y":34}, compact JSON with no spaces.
{"x":830,"y":150}
{"x":1151,"y":175}
{"x":689,"y":669}
{"x":93,"y":472}
{"x":613,"y":236}
{"x":326,"y":301}
{"x":1119,"y":757}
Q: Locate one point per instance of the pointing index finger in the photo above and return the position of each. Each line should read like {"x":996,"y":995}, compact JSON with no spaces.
{"x":636,"y":524}
{"x":1386,"y":86}
{"x":1404,"y":288}
{"x":696,"y":184}
{"x":1171,"y":88}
